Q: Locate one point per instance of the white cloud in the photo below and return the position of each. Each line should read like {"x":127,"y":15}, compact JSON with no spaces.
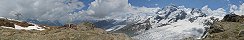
{"x":60,"y":9}
{"x":39,"y":9}
{"x":90,"y":12}
{"x":239,"y":11}
{"x":207,"y":10}
{"x":210,"y":12}
{"x":103,"y":8}
{"x":156,"y":4}
{"x":233,"y":8}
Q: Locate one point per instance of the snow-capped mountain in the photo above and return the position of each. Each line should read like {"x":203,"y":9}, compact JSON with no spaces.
{"x":45,"y":22}
{"x":171,"y":22}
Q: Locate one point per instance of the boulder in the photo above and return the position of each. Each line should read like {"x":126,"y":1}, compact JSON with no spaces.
{"x":70,"y":25}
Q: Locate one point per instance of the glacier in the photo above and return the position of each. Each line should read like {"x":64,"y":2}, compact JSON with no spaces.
{"x":170,"y":23}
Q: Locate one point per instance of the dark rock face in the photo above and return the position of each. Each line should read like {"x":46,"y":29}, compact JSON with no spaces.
{"x":233,"y":18}
{"x":108,"y":23}
{"x":241,"y":33}
{"x":158,"y":18}
{"x":70,"y":25}
{"x":181,"y":16}
{"x":45,"y":22}
{"x":24,"y":24}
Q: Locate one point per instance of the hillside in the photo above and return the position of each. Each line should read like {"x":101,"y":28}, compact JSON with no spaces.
{"x":230,"y":28}
{"x":10,"y":30}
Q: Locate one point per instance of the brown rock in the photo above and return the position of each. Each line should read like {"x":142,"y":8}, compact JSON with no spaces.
{"x":69,"y":25}
{"x":6,"y":23}
{"x":24,"y":24}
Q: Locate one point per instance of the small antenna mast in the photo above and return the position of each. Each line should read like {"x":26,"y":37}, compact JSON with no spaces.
{"x":18,"y":14}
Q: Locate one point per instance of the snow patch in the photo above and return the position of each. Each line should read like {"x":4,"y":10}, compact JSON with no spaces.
{"x":35,"y":27}
{"x":116,"y":28}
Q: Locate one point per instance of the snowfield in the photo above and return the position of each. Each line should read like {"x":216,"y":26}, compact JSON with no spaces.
{"x":183,"y":23}
{"x":36,"y":27}
{"x":180,"y":22}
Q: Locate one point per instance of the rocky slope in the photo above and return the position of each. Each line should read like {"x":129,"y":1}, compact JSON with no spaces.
{"x":84,"y":31}
{"x":230,"y":28}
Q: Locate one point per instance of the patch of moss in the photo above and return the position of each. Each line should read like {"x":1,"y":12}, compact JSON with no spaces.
{"x":88,"y":24}
{"x":240,"y":27}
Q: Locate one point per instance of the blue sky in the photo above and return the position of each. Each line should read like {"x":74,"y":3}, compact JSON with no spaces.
{"x":213,"y":4}
{"x":86,"y":2}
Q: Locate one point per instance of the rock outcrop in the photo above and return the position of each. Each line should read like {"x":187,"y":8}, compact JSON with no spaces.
{"x":233,"y":18}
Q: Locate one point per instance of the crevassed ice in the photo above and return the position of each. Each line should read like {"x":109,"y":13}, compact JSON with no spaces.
{"x":182,"y":28}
